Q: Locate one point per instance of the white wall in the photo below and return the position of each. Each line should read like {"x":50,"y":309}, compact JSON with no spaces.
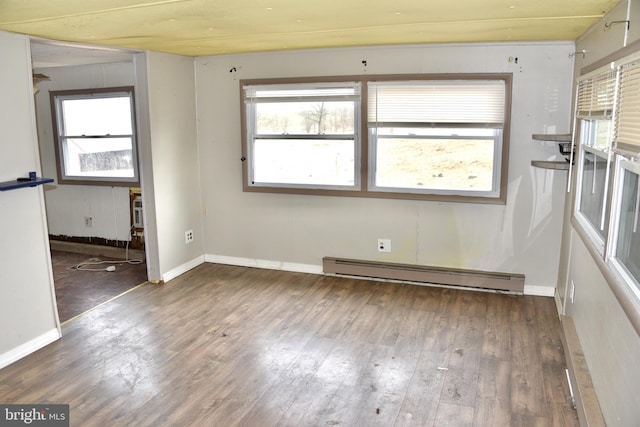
{"x":28,"y":314}
{"x":68,"y":205}
{"x":166,"y":88}
{"x":522,"y":236}
{"x":609,"y":341}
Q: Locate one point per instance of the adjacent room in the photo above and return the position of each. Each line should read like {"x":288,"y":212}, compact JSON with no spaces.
{"x":94,"y":210}
{"x":346,"y":214}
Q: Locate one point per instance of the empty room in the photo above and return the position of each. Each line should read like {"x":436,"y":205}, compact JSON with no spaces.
{"x":355,"y":214}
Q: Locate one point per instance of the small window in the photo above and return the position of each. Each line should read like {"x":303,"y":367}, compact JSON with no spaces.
{"x":625,"y":246}
{"x":302,"y":135}
{"x":595,"y":111}
{"x":594,"y":170}
{"x":94,"y":134}
{"x":593,"y":186}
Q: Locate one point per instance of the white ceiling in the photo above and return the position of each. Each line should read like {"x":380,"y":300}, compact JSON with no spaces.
{"x":47,"y":54}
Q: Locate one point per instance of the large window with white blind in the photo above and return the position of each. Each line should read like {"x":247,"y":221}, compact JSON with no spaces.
{"x":438,"y":137}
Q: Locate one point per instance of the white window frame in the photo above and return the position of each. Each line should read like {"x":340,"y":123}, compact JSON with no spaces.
{"x":595,"y":100}
{"x":276,"y":93}
{"x":596,"y":232}
{"x":449,"y":113}
{"x":61,"y":136}
{"x":622,"y":164}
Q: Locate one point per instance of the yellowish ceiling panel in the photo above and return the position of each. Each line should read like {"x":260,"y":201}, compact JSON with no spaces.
{"x":432,"y":33}
{"x":204,"y":27}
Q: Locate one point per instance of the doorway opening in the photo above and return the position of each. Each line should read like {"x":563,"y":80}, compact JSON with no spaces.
{"x":96,"y":234}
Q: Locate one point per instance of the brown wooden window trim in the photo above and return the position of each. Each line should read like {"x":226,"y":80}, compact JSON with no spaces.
{"x":363,"y":154}
{"x":127,"y":182}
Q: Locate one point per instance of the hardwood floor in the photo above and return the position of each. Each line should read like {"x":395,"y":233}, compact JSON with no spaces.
{"x":234,"y":346}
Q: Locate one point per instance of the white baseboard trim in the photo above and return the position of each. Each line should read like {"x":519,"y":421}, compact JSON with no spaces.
{"x":542,"y":291}
{"x":29,"y":347}
{"x":263,"y":263}
{"x":539,"y":291}
{"x":181,"y":269}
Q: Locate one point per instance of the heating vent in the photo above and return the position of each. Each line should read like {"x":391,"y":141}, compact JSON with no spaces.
{"x":425,"y":274}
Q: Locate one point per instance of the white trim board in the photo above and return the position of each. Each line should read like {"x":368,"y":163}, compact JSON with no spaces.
{"x":533,"y":290}
{"x":181,"y":269}
{"x":29,"y":347}
{"x":263,"y":263}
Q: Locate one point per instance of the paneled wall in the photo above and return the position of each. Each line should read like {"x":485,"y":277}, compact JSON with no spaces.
{"x":296,"y":231}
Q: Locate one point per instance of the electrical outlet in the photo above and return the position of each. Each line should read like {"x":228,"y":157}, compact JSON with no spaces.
{"x":384,"y":245}
{"x":88,"y":221}
{"x":188,"y":236}
{"x":572,"y":291}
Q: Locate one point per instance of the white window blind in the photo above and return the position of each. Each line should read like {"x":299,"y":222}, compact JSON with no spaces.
{"x":437,"y":102}
{"x":303,"y":92}
{"x":596,"y":96}
{"x":627,"y":126}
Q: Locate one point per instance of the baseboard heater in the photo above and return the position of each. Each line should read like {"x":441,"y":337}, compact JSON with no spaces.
{"x":425,"y":274}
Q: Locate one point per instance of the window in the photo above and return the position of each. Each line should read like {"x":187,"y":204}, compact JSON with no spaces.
{"x":436,"y":136}
{"x":608,"y":117}
{"x":426,"y":137}
{"x":592,"y":200}
{"x":595,"y":107}
{"x":94,"y":134}
{"x":303,"y":136}
{"x":625,"y":237}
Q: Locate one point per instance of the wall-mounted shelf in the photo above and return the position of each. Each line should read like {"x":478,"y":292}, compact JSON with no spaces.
{"x":557,"y":137}
{"x":15,"y":184}
{"x":548,"y":164}
{"x":564,"y":141}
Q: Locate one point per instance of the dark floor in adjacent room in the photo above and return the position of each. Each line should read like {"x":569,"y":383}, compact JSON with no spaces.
{"x":79,"y":291}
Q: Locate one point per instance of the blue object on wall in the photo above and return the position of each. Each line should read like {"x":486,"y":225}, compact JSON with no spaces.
{"x":23,"y":182}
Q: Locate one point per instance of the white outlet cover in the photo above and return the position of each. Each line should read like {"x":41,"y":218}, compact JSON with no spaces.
{"x":384,"y":245}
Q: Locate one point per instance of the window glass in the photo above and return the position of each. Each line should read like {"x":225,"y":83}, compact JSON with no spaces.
{"x":594,"y":173}
{"x":593,"y":190}
{"x":627,"y":249}
{"x":97,"y":116}
{"x":302,"y":136}
{"x":314,"y":162}
{"x":438,"y":159}
{"x":95,"y":138}
{"x":599,"y":134}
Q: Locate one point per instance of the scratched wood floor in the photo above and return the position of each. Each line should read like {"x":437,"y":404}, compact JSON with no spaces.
{"x":234,"y":346}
